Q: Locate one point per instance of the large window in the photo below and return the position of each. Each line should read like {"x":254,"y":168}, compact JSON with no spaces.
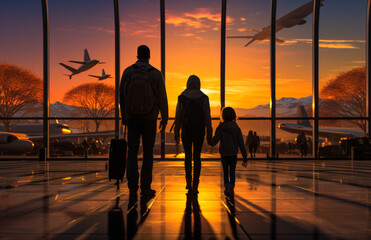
{"x":82,"y":96}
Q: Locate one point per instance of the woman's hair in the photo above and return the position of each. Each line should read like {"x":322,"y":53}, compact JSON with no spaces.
{"x":250,"y":132}
{"x":228,"y":114}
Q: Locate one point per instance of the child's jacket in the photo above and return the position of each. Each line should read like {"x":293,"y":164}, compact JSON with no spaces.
{"x":230,"y":136}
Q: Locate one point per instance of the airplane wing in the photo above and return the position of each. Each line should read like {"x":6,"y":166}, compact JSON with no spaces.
{"x":95,"y":76}
{"x":74,"y":135}
{"x":296,"y":17}
{"x":77,"y":62}
{"x":240,"y":37}
{"x":68,"y":67}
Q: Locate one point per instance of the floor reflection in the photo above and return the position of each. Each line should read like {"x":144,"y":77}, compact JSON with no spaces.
{"x":200,"y":224}
{"x":116,"y":224}
{"x":273,"y":200}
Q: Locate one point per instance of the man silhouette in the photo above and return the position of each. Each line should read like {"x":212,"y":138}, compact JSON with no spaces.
{"x":142,"y":97}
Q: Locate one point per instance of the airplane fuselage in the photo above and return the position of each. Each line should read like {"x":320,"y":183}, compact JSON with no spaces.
{"x":86,"y":66}
{"x":104,"y":77}
{"x":37,"y":129}
{"x":333,"y":133}
{"x":14,"y":143}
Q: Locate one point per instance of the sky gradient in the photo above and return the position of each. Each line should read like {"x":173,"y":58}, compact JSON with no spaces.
{"x":192,"y":44}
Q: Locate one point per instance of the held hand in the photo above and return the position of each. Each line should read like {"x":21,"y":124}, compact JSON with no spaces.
{"x":124,"y":121}
{"x":177,"y":138}
{"x":209,"y":141}
{"x":162,"y":127}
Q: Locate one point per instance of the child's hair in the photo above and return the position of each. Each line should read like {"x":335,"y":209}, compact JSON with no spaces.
{"x":228,"y":114}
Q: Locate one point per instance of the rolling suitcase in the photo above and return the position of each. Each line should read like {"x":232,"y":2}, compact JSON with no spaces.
{"x":117,"y":159}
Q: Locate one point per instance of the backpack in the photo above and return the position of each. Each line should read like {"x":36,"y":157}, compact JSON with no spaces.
{"x":193,"y":118}
{"x":140,"y":95}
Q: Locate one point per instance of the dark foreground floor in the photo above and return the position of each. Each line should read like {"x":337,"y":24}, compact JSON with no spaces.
{"x":282,"y":200}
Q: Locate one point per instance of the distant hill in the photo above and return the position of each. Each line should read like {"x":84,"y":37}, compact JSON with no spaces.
{"x":285,"y":107}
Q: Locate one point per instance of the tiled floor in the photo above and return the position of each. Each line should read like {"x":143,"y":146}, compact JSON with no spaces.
{"x":280,"y":200}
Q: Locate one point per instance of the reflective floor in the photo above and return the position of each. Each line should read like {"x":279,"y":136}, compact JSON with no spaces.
{"x":281,"y":200}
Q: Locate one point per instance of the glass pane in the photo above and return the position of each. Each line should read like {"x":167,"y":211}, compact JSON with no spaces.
{"x":24,"y":140}
{"x":248,"y":66}
{"x":79,"y":138}
{"x":262,"y":129}
{"x":21,"y":73}
{"x":193,"y":47}
{"x":290,"y":142}
{"x":140,"y":25}
{"x":337,"y":137}
{"x":294,"y":56}
{"x":342,"y":58}
{"x":81,"y":47}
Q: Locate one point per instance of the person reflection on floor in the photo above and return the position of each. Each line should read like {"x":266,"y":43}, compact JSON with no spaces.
{"x":132,"y":214}
{"x":116,"y":227}
{"x":132,"y":218}
{"x":232,"y":215}
{"x":200,"y":224}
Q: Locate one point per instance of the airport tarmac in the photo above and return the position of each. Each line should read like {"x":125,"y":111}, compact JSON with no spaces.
{"x":285,"y":199}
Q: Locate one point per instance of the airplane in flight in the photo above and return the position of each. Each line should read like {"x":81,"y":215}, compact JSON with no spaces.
{"x":85,"y":65}
{"x":333,"y":134}
{"x":104,"y":76}
{"x":293,"y":18}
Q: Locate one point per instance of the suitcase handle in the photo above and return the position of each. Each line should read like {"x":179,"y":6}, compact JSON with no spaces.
{"x":125,"y":133}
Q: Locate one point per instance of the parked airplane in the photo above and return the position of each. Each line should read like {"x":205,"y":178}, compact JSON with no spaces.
{"x":15,"y":142}
{"x":293,"y":18}
{"x":37,"y":129}
{"x":86,"y":64}
{"x":333,"y":134}
{"x":22,"y":137}
{"x":104,"y":76}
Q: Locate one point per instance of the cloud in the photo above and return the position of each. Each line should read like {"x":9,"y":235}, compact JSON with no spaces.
{"x":187,"y":35}
{"x":359,"y":62}
{"x":243,"y":19}
{"x":327,"y":43}
{"x":241,"y":29}
{"x":199,"y":18}
{"x":337,"y":46}
{"x":140,"y":28}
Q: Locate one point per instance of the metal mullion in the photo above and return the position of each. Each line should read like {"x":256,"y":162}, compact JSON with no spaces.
{"x":273,"y":78}
{"x":315,"y":90}
{"x":162,"y":20}
{"x":222,"y":52}
{"x":117,"y":67}
{"x":45,"y":19}
{"x":368,"y":67}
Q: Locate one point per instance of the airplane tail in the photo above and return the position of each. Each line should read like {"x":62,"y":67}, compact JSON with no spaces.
{"x":302,"y":113}
{"x":73,"y":70}
{"x":86,"y":55}
{"x":103,"y":73}
{"x":70,"y":76}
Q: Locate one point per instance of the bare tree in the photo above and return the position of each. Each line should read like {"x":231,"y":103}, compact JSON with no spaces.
{"x":345,"y":96}
{"x":96,"y":100}
{"x":20,"y":90}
